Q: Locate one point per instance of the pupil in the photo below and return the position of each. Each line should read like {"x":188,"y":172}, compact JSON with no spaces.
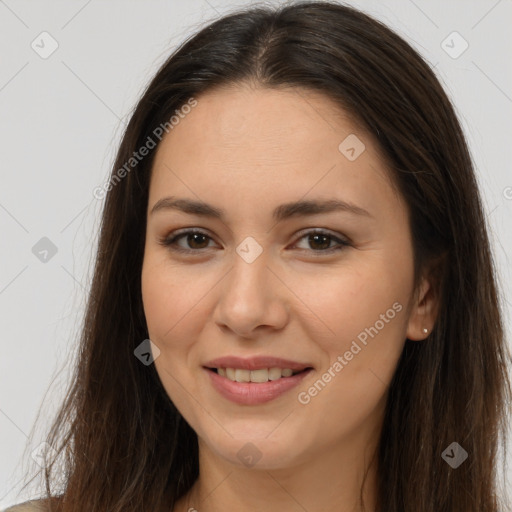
{"x":314,"y":238}
{"x":193,"y":239}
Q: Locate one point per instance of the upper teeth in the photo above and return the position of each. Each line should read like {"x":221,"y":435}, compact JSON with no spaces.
{"x":262,"y":375}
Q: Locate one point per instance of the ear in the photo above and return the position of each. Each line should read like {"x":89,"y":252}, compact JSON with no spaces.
{"x":423,"y":310}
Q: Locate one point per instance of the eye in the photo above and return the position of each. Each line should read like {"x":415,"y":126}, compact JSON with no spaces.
{"x":194,"y":239}
{"x":320,"y":241}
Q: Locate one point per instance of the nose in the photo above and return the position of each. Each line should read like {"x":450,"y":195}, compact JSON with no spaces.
{"x":252,"y":299}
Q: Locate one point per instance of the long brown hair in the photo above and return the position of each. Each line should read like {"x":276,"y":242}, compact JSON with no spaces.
{"x":122,"y":444}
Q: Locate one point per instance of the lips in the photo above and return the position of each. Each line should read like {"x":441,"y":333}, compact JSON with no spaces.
{"x":254,"y":393}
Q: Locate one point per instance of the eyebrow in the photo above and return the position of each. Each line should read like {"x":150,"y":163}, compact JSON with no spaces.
{"x":282,"y":212}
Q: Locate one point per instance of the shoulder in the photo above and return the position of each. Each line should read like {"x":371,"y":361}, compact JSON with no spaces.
{"x":27,"y":506}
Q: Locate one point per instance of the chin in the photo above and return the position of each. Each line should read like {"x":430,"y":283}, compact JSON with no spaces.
{"x":254,"y":448}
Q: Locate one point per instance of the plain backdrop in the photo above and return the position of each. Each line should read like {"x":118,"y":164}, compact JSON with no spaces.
{"x":61,"y":118}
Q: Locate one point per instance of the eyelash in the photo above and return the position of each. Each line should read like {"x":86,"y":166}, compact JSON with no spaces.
{"x":170,"y":241}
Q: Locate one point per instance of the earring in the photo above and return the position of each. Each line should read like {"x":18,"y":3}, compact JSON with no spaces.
{"x":425,"y":330}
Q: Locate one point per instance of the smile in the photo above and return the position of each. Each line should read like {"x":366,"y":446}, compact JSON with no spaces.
{"x":253,"y":387}
{"x":262,"y":375}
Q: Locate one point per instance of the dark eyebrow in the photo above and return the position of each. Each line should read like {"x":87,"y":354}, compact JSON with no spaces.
{"x":282,"y":212}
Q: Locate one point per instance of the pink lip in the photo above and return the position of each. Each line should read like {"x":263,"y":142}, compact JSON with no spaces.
{"x":256,"y":363}
{"x":253,"y":393}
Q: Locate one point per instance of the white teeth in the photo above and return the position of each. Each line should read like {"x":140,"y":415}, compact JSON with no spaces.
{"x":261,"y":375}
{"x":242,"y":375}
{"x":274,"y":373}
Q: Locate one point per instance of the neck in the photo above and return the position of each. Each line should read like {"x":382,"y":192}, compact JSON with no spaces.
{"x":320,"y":482}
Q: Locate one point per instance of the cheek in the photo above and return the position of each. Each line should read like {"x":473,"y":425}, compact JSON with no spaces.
{"x":171,"y":298}
{"x":345,"y":302}
{"x":172,"y":306}
{"x":362,"y":332}
{"x":347,"y":397}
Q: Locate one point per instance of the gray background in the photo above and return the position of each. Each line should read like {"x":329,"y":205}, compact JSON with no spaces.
{"x":61,"y":119}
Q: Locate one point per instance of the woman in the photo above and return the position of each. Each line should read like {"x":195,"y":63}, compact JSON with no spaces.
{"x":294,"y":304}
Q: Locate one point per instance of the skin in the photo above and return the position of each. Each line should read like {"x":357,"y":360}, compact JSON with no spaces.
{"x":248,"y":150}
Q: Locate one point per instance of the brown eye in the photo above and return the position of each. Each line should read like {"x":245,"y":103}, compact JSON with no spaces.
{"x":195,"y":241}
{"x":320,"y":242}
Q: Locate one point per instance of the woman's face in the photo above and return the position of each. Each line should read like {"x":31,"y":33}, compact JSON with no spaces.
{"x":270,"y":168}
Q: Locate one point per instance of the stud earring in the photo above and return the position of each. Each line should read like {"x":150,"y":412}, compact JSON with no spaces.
{"x":425,"y":330}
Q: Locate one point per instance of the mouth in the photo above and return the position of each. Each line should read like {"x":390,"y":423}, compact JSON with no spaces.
{"x":259,"y":376}
{"x":249,"y":387}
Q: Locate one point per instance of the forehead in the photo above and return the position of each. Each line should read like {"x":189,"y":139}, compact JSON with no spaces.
{"x":259,"y":143}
